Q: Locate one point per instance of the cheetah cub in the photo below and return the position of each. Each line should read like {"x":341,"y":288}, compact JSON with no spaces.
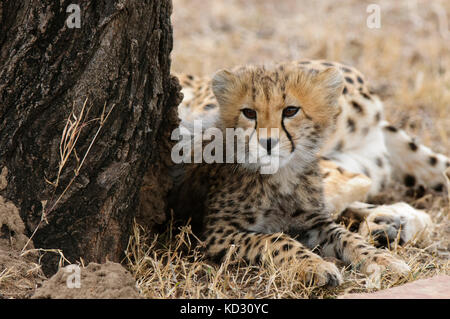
{"x":282,"y":213}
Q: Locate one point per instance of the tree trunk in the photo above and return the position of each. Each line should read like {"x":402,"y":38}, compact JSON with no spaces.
{"x":82,"y":115}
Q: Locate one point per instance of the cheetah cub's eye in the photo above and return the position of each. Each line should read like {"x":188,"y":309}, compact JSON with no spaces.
{"x":249,"y":113}
{"x":290,"y":111}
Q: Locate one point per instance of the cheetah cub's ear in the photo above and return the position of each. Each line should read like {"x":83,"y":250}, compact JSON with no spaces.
{"x":224,"y":85}
{"x":331,"y":82}
{"x":319,"y":92}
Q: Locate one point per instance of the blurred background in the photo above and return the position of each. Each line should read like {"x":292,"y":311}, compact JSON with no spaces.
{"x":406,"y":60}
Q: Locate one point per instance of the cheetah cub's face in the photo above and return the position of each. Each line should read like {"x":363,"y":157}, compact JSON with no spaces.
{"x":284,"y":110}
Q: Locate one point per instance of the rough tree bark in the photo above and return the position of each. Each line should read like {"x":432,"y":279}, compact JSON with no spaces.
{"x":116,"y":63}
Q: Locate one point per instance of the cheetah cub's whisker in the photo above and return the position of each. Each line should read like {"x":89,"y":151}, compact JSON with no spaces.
{"x":237,"y":205}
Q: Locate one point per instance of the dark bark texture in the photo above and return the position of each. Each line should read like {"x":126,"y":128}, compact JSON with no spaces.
{"x":119,"y":61}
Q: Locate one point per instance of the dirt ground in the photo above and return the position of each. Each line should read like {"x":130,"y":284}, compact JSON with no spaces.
{"x":100,"y":281}
{"x":407,"y":62}
{"x":20,"y":267}
{"x":21,"y":275}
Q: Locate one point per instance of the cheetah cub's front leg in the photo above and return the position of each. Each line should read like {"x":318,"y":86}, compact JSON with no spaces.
{"x":336,"y":241}
{"x":255,"y":247}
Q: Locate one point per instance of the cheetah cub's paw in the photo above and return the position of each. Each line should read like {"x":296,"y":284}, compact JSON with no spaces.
{"x":377,"y":263}
{"x":383,"y":223}
{"x":323,"y":273}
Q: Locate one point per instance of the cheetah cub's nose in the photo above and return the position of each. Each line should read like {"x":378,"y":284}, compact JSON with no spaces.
{"x":268,"y":143}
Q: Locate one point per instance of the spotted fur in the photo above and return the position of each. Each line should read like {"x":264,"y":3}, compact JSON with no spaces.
{"x":286,"y":211}
{"x":362,"y":142}
{"x":198,"y":102}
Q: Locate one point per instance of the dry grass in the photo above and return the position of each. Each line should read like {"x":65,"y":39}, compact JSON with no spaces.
{"x":407,"y":62}
{"x":172,"y":266}
{"x":19,"y":276}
